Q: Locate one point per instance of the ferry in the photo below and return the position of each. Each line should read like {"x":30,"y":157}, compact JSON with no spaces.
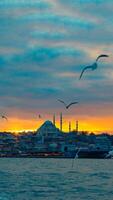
{"x":92,"y":153}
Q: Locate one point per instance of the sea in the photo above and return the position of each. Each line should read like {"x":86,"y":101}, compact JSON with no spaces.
{"x":56,"y":179}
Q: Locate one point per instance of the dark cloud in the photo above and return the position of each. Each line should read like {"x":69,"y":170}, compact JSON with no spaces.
{"x":43,"y":47}
{"x":23,"y":3}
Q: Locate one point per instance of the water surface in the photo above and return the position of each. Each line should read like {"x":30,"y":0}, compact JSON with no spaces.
{"x":55,"y":179}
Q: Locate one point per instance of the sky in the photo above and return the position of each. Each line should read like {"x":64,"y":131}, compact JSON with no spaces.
{"x":44,"y":45}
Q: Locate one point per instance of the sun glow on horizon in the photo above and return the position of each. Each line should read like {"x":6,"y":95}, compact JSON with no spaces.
{"x":96,"y":125}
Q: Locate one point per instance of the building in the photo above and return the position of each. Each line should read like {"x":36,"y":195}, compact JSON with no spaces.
{"x":50,"y":136}
{"x":102,"y":142}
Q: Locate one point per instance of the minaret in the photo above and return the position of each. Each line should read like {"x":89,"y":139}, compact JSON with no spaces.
{"x":76,"y":126}
{"x":69,"y":127}
{"x":54,"y":119}
{"x":61,"y":121}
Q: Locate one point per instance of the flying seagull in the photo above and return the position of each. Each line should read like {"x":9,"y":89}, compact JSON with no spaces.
{"x":76,"y":156}
{"x":67,"y":106}
{"x":39,"y":116}
{"x":93,"y":66}
{"x":4,"y":117}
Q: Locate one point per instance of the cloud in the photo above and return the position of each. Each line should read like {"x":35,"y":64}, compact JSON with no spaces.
{"x":44,"y":53}
{"x":23,"y":3}
{"x":43,"y":47}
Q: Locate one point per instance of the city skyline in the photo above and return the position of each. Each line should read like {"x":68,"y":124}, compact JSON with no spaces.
{"x":44,"y":45}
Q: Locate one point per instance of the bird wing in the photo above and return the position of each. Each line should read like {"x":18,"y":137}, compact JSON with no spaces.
{"x":72,"y":104}
{"x":62,"y":102}
{"x":85,"y":68}
{"x":4,"y":117}
{"x":100,"y":56}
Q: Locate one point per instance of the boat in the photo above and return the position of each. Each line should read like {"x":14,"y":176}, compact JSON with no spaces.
{"x":92,"y":153}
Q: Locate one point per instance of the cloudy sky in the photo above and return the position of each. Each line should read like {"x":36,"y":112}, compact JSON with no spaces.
{"x":44,"y":44}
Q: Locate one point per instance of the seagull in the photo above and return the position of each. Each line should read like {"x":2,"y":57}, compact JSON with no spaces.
{"x":67,"y":106}
{"x":4,"y":117}
{"x":76,"y":156}
{"x":93,"y":66}
{"x":39,"y":116}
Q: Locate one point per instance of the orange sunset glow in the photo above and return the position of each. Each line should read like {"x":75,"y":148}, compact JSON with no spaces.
{"x":91,"y":125}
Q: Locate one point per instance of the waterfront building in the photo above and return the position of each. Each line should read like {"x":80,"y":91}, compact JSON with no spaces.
{"x":102,"y":142}
{"x":7,"y":144}
{"x":49,"y":135}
